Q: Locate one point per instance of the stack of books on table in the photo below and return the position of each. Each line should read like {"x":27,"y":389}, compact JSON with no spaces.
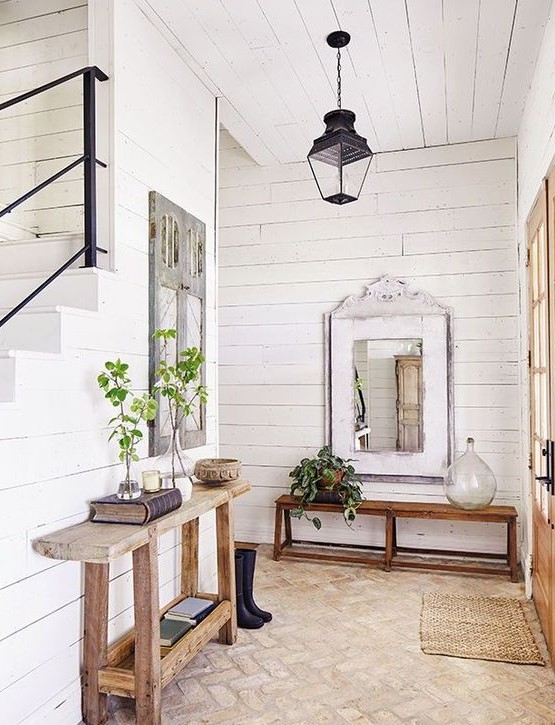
{"x":180,"y":619}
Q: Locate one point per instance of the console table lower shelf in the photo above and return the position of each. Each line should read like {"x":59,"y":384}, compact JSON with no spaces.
{"x":133,"y":665}
{"x":118,"y":677}
{"x":390,"y":511}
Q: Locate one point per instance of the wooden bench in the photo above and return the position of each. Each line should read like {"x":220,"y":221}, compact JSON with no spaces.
{"x":133,"y":665}
{"x":391,"y":511}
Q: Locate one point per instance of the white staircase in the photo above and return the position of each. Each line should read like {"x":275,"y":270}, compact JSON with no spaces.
{"x":38,"y":331}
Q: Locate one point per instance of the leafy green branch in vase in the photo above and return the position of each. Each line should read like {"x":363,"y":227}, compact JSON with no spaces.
{"x":178,"y":379}
{"x":114,"y":380}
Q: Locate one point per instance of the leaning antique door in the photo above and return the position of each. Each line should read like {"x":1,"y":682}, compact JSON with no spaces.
{"x":540,"y":413}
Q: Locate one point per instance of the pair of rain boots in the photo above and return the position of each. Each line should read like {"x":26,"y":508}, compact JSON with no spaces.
{"x":249,"y":614}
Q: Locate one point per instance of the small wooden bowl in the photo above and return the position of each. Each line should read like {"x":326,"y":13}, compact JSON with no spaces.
{"x":217,"y":470}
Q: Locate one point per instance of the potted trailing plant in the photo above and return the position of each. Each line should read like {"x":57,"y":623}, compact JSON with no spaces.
{"x":178,"y":381}
{"x":132,"y":411}
{"x":330,"y":473}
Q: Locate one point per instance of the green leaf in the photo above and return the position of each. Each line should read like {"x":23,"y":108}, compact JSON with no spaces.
{"x":317,"y":523}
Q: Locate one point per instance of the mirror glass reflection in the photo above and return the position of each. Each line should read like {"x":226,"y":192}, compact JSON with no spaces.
{"x":388,"y":395}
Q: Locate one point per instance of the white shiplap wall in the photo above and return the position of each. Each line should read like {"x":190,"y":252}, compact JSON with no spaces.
{"x":53,"y":439}
{"x":39,"y":42}
{"x":440,"y":218}
{"x":536,"y":153}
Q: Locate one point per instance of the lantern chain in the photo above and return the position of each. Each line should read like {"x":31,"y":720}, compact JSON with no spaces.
{"x":339,"y":78}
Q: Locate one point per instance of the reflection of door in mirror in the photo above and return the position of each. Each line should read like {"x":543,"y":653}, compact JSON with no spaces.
{"x":408,"y":370}
{"x":388,"y":395}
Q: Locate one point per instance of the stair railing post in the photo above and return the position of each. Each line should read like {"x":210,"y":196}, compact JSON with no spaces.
{"x":89,"y":168}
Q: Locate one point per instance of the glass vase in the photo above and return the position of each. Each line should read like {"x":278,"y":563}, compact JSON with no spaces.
{"x":469,"y":482}
{"x":176,"y":468}
{"x":128,"y":489}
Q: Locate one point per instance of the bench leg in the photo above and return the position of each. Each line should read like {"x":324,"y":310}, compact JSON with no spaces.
{"x":277,"y":533}
{"x":511,"y":549}
{"x":189,"y":558}
{"x":226,"y":569}
{"x":288,"y":534}
{"x":148,"y":686}
{"x":95,"y":643}
{"x":389,"y":533}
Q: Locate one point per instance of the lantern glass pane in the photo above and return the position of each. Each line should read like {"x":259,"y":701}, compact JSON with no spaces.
{"x":354,"y":175}
{"x":339,"y":183}
{"x":326,"y":174}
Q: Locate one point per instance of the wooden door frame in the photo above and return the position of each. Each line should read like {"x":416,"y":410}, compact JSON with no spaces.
{"x":545,"y":595}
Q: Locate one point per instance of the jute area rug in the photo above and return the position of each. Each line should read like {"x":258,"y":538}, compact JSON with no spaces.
{"x":482,"y":628}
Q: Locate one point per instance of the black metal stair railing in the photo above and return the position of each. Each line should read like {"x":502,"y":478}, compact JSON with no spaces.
{"x":90,"y":249}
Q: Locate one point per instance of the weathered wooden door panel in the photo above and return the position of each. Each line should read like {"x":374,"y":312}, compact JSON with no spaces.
{"x":177,"y":284}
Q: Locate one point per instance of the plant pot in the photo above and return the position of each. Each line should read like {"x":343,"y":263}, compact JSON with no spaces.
{"x":326,"y":484}
{"x":326,"y":496}
{"x":326,"y":489}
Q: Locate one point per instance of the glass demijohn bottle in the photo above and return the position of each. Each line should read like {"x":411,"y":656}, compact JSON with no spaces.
{"x":469,"y":482}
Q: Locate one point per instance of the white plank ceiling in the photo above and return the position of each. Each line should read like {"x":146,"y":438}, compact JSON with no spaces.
{"x":417,"y":72}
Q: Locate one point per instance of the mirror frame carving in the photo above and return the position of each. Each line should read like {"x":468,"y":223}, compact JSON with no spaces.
{"x":390,"y":304}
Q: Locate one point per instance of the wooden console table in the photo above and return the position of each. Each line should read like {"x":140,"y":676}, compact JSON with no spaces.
{"x":133,"y":666}
{"x":391,"y":511}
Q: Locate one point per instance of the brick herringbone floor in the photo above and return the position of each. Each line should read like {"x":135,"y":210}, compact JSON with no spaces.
{"x":343,"y":648}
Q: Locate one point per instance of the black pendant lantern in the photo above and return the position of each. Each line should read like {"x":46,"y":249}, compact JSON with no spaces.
{"x":340,"y":158}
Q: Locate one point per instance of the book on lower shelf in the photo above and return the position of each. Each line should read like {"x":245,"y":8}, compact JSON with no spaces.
{"x":171,"y":631}
{"x":150,"y":506}
{"x":197,"y":619}
{"x":191,"y":609}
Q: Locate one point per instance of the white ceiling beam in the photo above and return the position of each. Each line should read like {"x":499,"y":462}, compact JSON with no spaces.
{"x":355,"y":16}
{"x":320,"y":20}
{"x":495,"y":29}
{"x":461,"y":33}
{"x":392,"y":32}
{"x":426,"y":31}
{"x":530,"y":21}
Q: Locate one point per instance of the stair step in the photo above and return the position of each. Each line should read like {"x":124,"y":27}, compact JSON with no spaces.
{"x":37,"y":329}
{"x":73,"y":288}
{"x":11,"y":232}
{"x":7,"y":376}
{"x":39,"y":254}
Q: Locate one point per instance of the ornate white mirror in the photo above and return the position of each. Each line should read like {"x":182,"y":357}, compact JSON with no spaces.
{"x":390,"y":384}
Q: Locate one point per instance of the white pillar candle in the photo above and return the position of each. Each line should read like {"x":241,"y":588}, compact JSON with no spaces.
{"x":151,"y":481}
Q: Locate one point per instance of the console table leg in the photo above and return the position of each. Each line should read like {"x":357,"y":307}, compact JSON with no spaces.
{"x":147,"y":632}
{"x":511,"y":549}
{"x":226,"y":569}
{"x":95,"y":642}
{"x":277,"y":533}
{"x":189,"y":558}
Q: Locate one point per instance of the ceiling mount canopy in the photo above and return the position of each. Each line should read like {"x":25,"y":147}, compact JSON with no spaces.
{"x":340,"y":158}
